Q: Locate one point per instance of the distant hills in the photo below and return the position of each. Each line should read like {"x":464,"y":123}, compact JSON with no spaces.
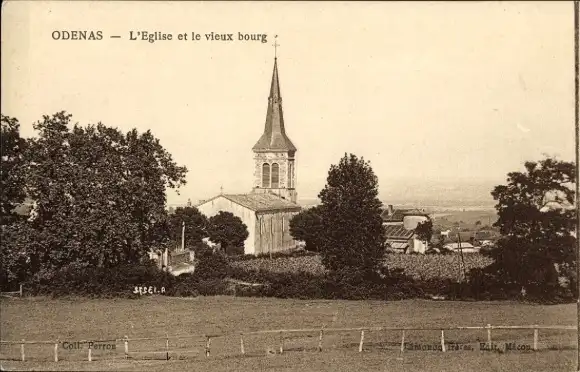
{"x":432,"y":195}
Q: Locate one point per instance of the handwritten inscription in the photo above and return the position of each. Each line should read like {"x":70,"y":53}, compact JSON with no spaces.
{"x":148,"y":290}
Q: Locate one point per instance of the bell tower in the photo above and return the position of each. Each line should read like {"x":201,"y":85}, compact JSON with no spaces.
{"x":275,"y":170}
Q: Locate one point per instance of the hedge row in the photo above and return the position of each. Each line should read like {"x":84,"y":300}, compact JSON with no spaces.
{"x":213,"y":277}
{"x":420,"y":267}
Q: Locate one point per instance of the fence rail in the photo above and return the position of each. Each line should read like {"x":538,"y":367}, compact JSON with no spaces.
{"x":19,"y":292}
{"x":283,"y":336}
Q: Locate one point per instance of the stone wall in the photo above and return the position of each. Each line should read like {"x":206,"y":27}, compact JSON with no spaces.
{"x":273,"y":232}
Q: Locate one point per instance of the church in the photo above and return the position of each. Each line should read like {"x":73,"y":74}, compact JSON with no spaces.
{"x":272,"y":202}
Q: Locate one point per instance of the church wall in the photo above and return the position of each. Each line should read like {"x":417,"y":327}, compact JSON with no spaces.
{"x":213,"y":206}
{"x":272,"y":232}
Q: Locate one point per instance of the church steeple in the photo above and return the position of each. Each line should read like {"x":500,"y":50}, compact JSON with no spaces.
{"x":274,"y":137}
{"x":274,"y":170}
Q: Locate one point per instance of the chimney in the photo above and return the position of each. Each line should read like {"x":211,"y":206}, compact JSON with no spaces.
{"x":390,"y":209}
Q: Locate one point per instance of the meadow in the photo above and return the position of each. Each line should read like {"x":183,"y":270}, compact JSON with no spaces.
{"x":97,"y":319}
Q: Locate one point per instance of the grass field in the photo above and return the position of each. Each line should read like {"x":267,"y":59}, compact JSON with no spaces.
{"x":83,"y":319}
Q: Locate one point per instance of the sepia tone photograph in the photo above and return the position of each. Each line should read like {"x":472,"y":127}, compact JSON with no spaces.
{"x":289,"y":186}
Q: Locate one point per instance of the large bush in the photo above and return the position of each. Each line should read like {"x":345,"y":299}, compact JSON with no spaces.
{"x":210,"y":264}
{"x":306,"y":226}
{"x":536,"y":220}
{"x":99,"y":197}
{"x":352,"y":234}
{"x":227,"y":230}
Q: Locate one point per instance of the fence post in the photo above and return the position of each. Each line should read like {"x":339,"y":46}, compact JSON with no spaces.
{"x":90,"y":357}
{"x":443,"y":340}
{"x":320,"y":339}
{"x":167,"y":347}
{"x":281,"y":342}
{"x":126,"y":341}
{"x":56,"y":351}
{"x":489,"y":336}
{"x":403,"y":341}
{"x":207,"y":345}
{"x":22,"y":351}
{"x":242,"y":344}
{"x":20,"y":290}
{"x":362,"y":340}
{"x":535,"y":337}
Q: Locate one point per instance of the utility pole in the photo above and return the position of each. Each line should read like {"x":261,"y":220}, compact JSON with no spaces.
{"x":183,"y":236}
{"x":577,"y":127}
{"x":461,"y":254}
{"x":271,"y":235}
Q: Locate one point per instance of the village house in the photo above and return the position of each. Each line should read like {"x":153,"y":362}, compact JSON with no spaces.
{"x":400,"y":225}
{"x":269,"y":207}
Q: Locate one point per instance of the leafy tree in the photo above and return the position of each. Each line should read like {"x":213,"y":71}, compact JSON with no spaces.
{"x":477,"y":223}
{"x":536,"y":221}
{"x":99,"y":194}
{"x":228,"y":230}
{"x":195,"y":225}
{"x":352,"y":233}
{"x":424,"y":231}
{"x":306,"y":226}
{"x":12,"y":148}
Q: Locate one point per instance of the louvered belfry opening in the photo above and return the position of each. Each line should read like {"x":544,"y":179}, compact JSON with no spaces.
{"x":266,"y":175}
{"x":275,"y":176}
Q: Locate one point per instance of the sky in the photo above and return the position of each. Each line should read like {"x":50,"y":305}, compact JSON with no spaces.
{"x":430,"y":93}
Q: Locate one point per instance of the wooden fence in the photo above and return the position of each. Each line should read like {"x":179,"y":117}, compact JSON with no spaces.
{"x":282,"y":335}
{"x":19,"y":292}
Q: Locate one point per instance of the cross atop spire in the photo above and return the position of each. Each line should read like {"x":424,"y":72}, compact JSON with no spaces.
{"x":276,"y":45}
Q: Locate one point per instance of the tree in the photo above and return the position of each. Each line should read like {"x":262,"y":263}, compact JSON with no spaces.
{"x":228,"y":230}
{"x":536,"y":221}
{"x":352,"y":234}
{"x":195,"y":226}
{"x":477,"y":223}
{"x":424,"y":231}
{"x":12,"y":148}
{"x":99,"y":194}
{"x":306,"y":226}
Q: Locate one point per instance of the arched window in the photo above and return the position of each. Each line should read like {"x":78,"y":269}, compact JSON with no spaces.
{"x":266,"y":175}
{"x":275,"y":175}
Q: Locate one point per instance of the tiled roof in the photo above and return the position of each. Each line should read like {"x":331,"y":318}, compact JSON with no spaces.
{"x":456,"y":245}
{"x":398,"y":232}
{"x":262,"y":202}
{"x":399,"y":214}
{"x":274,"y":137}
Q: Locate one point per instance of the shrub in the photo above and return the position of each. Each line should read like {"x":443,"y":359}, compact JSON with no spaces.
{"x":119,"y":281}
{"x":210,"y":264}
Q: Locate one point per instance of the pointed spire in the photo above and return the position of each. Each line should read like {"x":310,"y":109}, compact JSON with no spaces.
{"x":274,"y":137}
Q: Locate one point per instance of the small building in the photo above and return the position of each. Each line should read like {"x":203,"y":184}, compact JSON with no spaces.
{"x":400,"y":225}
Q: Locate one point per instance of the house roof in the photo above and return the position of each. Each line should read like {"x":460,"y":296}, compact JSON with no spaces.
{"x":274,"y":137}
{"x":399,"y":245}
{"x":398,"y":232}
{"x":456,"y":245}
{"x":399,"y":214}
{"x":258,"y":202}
